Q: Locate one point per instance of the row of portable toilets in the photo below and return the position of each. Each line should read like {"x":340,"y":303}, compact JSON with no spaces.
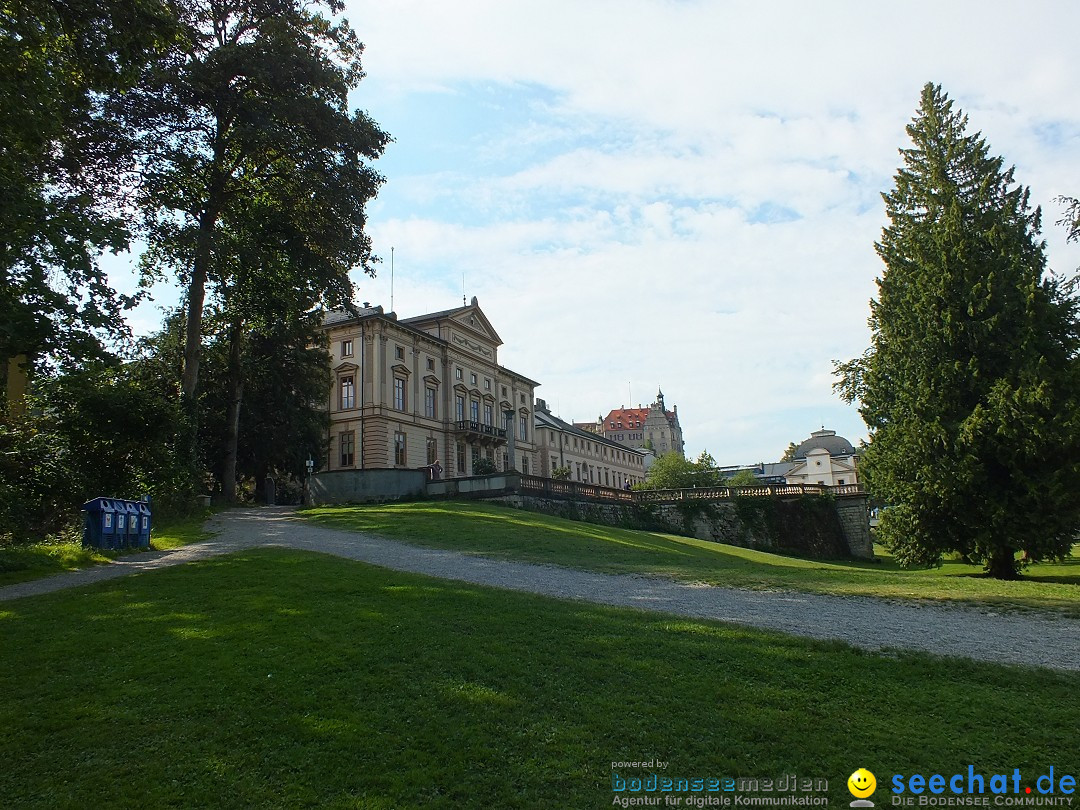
{"x":113,"y":523}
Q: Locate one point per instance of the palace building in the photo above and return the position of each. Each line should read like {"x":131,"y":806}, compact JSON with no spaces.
{"x":589,"y":458}
{"x":425,"y":392}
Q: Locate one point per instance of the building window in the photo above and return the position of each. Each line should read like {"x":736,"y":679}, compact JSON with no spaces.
{"x":459,"y":404}
{"x":461,"y":457}
{"x":459,"y":374}
{"x":347,"y":449}
{"x":474,"y":410}
{"x":348,"y":392}
{"x":522,"y":398}
{"x":487,"y":415}
{"x":346,"y":348}
{"x":522,"y":425}
{"x":472,"y":379}
{"x":399,"y":394}
{"x":399,"y":353}
{"x":504,"y":391}
{"x":525,"y":464}
{"x":432,"y":450}
{"x":475,"y":455}
{"x":430,"y":364}
{"x":429,"y":403}
{"x":399,"y":449}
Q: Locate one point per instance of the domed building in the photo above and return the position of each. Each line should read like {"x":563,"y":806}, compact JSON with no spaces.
{"x":824,"y":458}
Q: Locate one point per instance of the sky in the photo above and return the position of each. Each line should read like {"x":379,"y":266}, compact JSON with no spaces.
{"x":685,"y":195}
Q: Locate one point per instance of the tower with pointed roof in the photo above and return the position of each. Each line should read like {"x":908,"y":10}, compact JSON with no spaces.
{"x":655,"y":427}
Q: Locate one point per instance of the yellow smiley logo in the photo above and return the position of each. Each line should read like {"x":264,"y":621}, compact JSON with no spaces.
{"x":861,"y":783}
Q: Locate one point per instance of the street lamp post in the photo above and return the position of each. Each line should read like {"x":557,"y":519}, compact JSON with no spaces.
{"x":310,"y":464}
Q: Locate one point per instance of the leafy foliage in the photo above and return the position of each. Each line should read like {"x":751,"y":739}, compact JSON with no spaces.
{"x":484,"y":466}
{"x":1071,"y":218}
{"x":672,"y":471}
{"x":104,"y":430}
{"x":743,"y":478}
{"x":282,"y":418}
{"x":970,"y":386}
{"x":64,"y":156}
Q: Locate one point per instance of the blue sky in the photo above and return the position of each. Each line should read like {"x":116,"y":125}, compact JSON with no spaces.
{"x":686,"y":194}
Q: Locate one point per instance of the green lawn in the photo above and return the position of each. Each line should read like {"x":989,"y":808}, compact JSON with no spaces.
{"x":20,"y":563}
{"x":278,"y":678}
{"x":515,"y":534}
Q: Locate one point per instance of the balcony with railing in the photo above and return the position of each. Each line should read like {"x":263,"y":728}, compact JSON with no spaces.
{"x":479,"y":432}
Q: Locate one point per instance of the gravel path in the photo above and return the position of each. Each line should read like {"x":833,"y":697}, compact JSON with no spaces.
{"x":861,"y":621}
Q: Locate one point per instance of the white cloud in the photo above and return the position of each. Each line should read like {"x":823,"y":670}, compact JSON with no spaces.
{"x":687,"y":193}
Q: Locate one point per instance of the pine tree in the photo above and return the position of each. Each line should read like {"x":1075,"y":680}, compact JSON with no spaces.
{"x":970,"y":386}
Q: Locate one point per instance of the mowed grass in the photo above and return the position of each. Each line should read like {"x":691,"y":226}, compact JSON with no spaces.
{"x":21,"y":563}
{"x":279,"y":678}
{"x":506,"y":533}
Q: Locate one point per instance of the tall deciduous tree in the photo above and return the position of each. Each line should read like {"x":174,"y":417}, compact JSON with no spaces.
{"x":970,"y":386}
{"x":64,"y":152}
{"x":254,"y":106}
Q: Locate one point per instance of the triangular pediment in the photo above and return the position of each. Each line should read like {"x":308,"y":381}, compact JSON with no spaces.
{"x":472,"y":319}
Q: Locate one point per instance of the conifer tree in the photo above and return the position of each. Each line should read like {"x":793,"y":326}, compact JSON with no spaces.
{"x":970,"y":387}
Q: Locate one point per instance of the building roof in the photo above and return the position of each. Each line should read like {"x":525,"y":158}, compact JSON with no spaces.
{"x":825,"y":440}
{"x":545,"y":418}
{"x":335,"y":317}
{"x":629,"y":415}
{"x":476,"y":320}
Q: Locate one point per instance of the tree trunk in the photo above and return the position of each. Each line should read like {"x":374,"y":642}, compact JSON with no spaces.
{"x":200,"y":267}
{"x":1002,"y":564}
{"x":232,"y":417}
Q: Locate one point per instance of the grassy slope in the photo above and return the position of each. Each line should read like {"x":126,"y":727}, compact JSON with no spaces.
{"x":276,"y":678}
{"x":22,"y":563}
{"x":514,"y":534}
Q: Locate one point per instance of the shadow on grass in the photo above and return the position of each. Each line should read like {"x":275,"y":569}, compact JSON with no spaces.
{"x":279,"y":678}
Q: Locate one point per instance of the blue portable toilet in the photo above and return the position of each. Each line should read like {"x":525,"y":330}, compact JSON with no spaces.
{"x":131,"y":510}
{"x":102,"y":523}
{"x":144,"y":524}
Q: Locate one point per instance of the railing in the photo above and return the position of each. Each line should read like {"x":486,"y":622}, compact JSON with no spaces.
{"x":576,"y":489}
{"x":479,"y":428}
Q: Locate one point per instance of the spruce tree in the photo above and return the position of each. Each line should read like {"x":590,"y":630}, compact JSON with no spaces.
{"x":970,"y":387}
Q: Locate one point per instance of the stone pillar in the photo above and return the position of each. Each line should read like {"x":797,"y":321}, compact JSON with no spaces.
{"x":511,"y":433}
{"x":854,"y":514}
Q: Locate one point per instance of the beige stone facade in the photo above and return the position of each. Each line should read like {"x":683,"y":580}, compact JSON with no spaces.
{"x":591,"y":458}
{"x":425,"y":391}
